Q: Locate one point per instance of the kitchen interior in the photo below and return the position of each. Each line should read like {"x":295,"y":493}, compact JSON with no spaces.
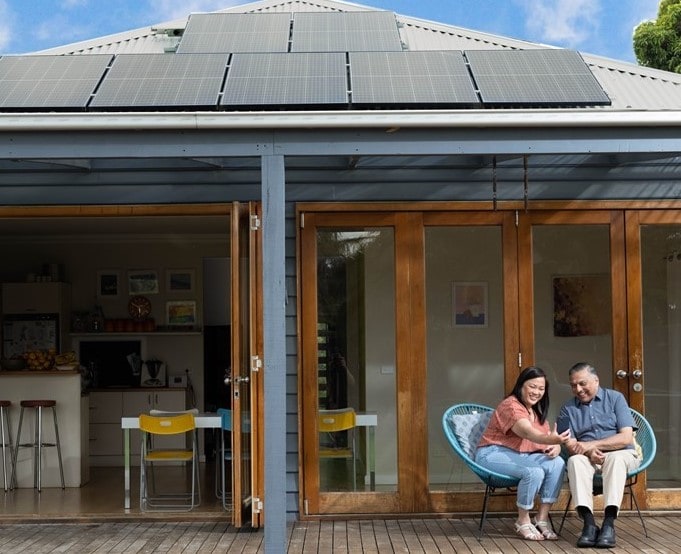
{"x":111,"y":317}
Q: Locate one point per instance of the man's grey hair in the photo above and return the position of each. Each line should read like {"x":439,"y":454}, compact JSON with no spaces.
{"x":581,"y":366}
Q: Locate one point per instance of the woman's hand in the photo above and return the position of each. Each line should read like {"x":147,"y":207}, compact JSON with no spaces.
{"x":559,"y":438}
{"x":552,"y":451}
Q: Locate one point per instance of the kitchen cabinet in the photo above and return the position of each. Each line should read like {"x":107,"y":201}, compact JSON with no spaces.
{"x":106,"y":410}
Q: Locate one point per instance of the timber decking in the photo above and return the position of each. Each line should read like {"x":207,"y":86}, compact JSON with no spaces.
{"x":451,"y":535}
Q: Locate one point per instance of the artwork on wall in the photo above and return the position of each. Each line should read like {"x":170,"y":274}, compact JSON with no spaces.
{"x":142,"y":281}
{"x":108,"y":283}
{"x":181,"y":312}
{"x":581,"y":305}
{"x":469,"y":302}
{"x":180,"y":280}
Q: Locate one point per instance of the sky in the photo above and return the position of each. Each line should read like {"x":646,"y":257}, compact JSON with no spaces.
{"x":601,"y":27}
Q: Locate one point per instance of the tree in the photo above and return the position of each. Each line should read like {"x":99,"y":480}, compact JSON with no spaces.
{"x":658,"y":43}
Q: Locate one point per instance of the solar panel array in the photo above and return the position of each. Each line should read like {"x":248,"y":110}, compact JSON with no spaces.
{"x":286,"y":79}
{"x":342,"y":60}
{"x":50,"y":82}
{"x":236,"y":32}
{"x":411,"y":78}
{"x":162,"y":80}
{"x":534,"y":77}
{"x":345,"y":32}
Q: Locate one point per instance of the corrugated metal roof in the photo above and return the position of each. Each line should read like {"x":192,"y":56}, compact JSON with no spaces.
{"x":629,"y":86}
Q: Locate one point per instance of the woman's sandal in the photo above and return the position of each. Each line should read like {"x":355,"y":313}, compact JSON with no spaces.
{"x":546,"y":530}
{"x":528,"y":532}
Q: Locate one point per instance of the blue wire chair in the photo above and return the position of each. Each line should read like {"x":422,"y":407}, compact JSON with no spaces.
{"x":645,"y":437}
{"x":463,"y":439}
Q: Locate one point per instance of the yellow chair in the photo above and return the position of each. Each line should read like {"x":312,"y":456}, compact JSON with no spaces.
{"x":162,"y":426}
{"x":330,"y":423}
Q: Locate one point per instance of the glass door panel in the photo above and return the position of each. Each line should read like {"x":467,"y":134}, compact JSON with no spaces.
{"x":465,"y":335}
{"x":572,"y":303}
{"x":661,"y":316}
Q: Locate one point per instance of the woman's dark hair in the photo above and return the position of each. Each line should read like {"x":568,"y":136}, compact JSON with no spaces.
{"x":541,"y":408}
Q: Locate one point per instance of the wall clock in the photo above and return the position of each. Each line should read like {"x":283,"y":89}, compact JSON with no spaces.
{"x":139,"y":307}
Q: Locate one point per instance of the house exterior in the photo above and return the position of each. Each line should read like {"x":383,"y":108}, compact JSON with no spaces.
{"x":399,"y":241}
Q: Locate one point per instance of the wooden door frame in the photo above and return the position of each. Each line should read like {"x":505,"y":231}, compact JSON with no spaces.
{"x":413,"y":495}
{"x":615,"y":221}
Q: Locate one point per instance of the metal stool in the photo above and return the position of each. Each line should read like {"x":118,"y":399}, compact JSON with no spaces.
{"x":6,"y":440}
{"x":38,"y":443}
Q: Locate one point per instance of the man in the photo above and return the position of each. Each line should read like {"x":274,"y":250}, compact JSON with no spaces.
{"x":602,"y":441}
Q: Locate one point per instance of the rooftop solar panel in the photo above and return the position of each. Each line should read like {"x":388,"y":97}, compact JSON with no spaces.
{"x":162,"y":80}
{"x":236,"y":32}
{"x":345,"y":32}
{"x":543,"y":77}
{"x":50,"y":82}
{"x":286,"y":79}
{"x":411,"y":78}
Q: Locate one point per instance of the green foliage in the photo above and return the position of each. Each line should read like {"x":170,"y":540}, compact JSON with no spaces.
{"x":658,"y":43}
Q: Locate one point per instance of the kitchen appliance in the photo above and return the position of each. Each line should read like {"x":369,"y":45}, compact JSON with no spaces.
{"x":29,"y":332}
{"x":153,"y":373}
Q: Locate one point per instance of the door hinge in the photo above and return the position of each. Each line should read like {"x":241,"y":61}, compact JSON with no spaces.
{"x":520,"y":359}
{"x":257,"y":505}
{"x":302,"y":221}
{"x":255,"y":223}
{"x":516,"y":218}
{"x":256,"y":363}
{"x":307,"y":512}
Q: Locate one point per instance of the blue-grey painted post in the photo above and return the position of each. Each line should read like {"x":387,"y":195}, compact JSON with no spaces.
{"x":274,"y":329}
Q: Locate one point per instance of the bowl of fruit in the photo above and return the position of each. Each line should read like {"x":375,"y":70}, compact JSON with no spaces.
{"x":40,"y":360}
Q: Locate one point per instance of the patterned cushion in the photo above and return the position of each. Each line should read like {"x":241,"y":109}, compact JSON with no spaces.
{"x":468,"y":429}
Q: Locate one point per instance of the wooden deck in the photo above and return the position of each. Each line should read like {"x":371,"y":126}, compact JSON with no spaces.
{"x":350,"y":536}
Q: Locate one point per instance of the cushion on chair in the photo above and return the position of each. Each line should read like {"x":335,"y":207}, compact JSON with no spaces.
{"x":468,"y":429}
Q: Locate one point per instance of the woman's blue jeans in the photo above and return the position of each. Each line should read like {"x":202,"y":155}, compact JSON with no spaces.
{"x":538,"y":473}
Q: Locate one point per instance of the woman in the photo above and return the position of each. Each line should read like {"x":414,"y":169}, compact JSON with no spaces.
{"x":519,"y":442}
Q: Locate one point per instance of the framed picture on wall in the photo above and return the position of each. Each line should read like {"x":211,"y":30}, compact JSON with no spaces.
{"x":469,"y":304}
{"x":108,"y":283}
{"x":180,"y":280}
{"x":142,"y":281}
{"x":581,"y":305}
{"x":181,"y":313}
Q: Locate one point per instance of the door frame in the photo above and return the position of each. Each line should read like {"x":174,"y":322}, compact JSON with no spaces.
{"x":413,"y":494}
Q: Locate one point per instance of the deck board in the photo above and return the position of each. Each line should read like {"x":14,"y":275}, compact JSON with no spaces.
{"x":436,"y":535}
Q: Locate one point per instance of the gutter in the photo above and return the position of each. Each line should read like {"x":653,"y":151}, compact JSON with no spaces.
{"x":387,"y":120}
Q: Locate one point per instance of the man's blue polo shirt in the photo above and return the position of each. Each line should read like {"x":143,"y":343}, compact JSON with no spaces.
{"x":603,"y":417}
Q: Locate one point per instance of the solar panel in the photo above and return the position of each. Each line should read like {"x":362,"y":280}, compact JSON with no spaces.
{"x":286,"y":79}
{"x":236,"y":32}
{"x":411,"y":78}
{"x":544,"y":77}
{"x":345,"y":32}
{"x":50,"y":82}
{"x":162,"y":80}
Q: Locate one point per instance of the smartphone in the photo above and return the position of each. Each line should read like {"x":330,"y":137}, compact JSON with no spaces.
{"x":562,"y":424}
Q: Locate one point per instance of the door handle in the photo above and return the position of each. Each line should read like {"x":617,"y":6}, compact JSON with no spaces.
{"x":239,"y":380}
{"x":637,"y":374}
{"x":621,"y":374}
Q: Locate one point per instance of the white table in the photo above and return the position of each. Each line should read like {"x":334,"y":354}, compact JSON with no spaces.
{"x":202,"y":421}
{"x":214,"y":421}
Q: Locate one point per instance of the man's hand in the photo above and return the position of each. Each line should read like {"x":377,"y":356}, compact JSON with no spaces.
{"x":596,"y":456}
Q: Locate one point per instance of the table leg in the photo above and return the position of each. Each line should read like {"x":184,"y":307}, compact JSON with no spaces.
{"x":126,"y":459}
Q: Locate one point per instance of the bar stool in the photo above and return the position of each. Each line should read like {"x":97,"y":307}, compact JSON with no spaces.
{"x":6,"y":439}
{"x":38,"y":443}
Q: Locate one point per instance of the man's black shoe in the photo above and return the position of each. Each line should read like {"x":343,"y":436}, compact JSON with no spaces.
{"x":588,"y":537}
{"x":606,"y":538}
